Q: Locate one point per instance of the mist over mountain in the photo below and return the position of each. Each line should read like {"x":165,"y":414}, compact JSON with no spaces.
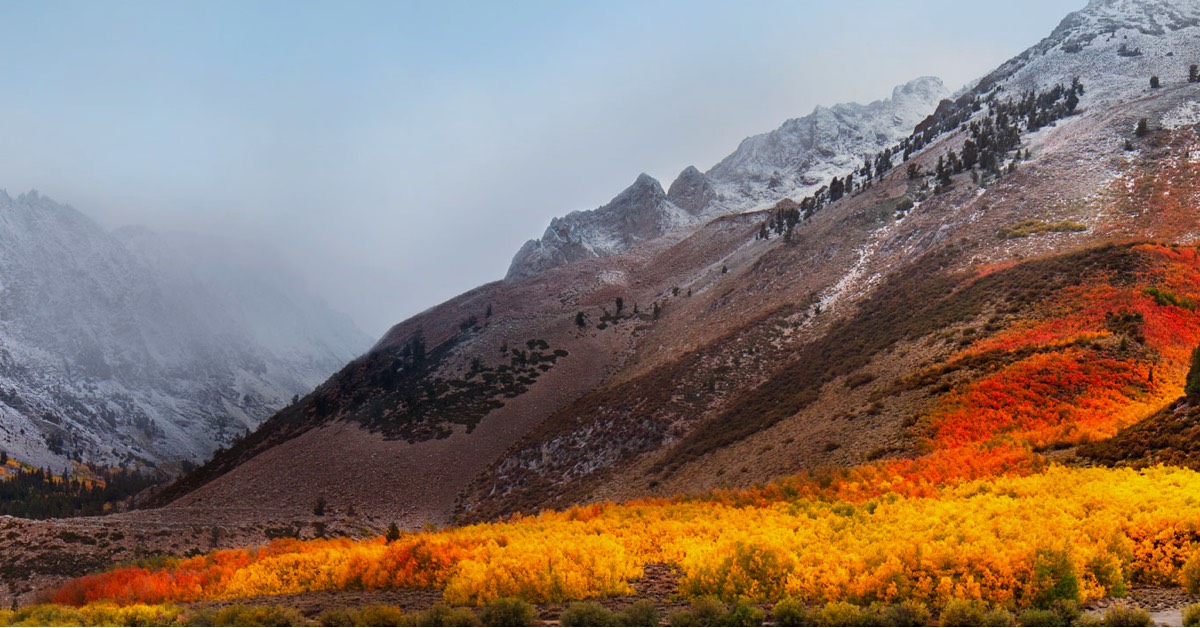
{"x":139,"y":348}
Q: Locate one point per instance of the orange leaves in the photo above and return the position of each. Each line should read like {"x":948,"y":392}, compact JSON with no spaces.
{"x":1004,"y":539}
{"x":1045,"y":398}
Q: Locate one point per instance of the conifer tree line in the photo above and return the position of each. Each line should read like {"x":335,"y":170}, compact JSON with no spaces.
{"x":35,"y":493}
{"x":991,"y":140}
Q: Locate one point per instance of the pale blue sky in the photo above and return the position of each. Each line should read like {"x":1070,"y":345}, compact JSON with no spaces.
{"x":400,"y":152}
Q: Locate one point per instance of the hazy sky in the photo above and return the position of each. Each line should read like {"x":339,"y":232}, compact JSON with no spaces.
{"x":399,"y":153}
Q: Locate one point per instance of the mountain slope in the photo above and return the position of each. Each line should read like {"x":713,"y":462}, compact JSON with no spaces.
{"x":733,"y":359}
{"x":142,"y":349}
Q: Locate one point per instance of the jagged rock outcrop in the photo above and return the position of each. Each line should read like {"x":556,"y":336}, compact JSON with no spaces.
{"x":143,"y":348}
{"x":693,"y":192}
{"x":642,"y":212}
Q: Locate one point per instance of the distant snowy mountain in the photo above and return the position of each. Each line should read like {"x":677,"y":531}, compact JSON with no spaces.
{"x":789,"y":162}
{"x":135,"y":347}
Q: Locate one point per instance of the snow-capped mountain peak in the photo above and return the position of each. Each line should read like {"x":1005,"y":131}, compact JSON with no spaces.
{"x":789,"y":162}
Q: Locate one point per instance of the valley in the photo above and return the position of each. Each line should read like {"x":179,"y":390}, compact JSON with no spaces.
{"x":932,"y":360}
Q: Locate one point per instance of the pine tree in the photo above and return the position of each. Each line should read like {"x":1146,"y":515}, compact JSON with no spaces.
{"x":393,"y":533}
{"x":620,"y":305}
{"x":1194,"y":74}
{"x":1191,"y":386}
{"x":1154,"y":84}
{"x":580,"y":320}
{"x":836,"y":189}
{"x":1143,"y":128}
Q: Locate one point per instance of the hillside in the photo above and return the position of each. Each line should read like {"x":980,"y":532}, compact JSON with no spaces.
{"x":879,"y":387}
{"x":794,"y":341}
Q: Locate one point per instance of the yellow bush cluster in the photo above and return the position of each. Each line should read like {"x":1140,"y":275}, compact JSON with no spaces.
{"x":1063,"y":533}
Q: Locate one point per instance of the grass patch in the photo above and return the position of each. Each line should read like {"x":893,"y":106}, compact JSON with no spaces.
{"x":1027,"y":228}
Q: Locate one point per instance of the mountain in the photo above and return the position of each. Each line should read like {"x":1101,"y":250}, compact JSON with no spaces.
{"x":1000,"y":244}
{"x":642,"y":212}
{"x":804,"y":153}
{"x":789,"y":162}
{"x":140,"y":348}
{"x":1005,"y":299}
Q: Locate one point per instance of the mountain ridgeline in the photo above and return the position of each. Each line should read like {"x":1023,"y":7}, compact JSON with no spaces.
{"x":842,"y":291}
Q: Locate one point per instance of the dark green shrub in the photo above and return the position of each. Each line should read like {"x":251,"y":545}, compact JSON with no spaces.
{"x":841,"y":614}
{"x":507,"y":611}
{"x":999,"y":617}
{"x":442,"y":615}
{"x":707,"y":611}
{"x":963,"y":613}
{"x":380,"y":615}
{"x":1040,"y":617}
{"x":792,"y":612}
{"x":906,"y":613}
{"x":243,"y":615}
{"x":640,"y":613}
{"x":1121,"y":615}
{"x":589,"y":614}
{"x":744,"y":613}
{"x":1053,"y":578}
{"x":337,"y":617}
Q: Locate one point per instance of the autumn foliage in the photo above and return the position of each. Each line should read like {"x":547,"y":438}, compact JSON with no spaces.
{"x":979,"y":515}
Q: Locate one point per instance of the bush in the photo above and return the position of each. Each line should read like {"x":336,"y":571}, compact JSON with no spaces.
{"x":744,"y":613}
{"x":906,"y":613}
{"x":707,"y":611}
{"x":244,"y":615}
{"x":792,"y":612}
{"x":973,"y":613}
{"x":1089,"y":619}
{"x":1040,"y":617}
{"x":1054,"y":578}
{"x":640,"y":613}
{"x":1190,"y":574}
{"x":841,"y":614}
{"x":380,"y":615}
{"x":998,"y":617}
{"x":337,"y":617}
{"x":1121,"y":615}
{"x":507,"y":611}
{"x":442,"y":615}
{"x":589,"y":614}
{"x":1191,"y":615}
{"x":44,"y":615}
